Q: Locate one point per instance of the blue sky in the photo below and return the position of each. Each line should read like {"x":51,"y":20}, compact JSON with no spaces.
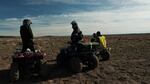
{"x":53,"y":17}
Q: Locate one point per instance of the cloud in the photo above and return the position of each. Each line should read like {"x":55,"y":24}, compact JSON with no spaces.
{"x":109,"y":22}
{"x":142,"y":1}
{"x":132,"y":16}
{"x":39,"y":2}
{"x":87,"y":2}
{"x":126,"y":19}
{"x":9,"y":23}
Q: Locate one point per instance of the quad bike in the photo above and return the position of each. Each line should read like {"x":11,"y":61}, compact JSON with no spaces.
{"x":76,"y":56}
{"x":27,"y":64}
{"x":84,"y":54}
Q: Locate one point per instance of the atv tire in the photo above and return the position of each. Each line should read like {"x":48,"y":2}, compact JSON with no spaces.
{"x":44,"y":70}
{"x":93,"y":61}
{"x":60,"y":60}
{"x":105,"y":55}
{"x":75,"y":64}
{"x":14,"y":72}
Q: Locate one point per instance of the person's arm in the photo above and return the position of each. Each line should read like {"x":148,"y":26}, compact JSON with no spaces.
{"x":30,"y":33}
{"x":73,"y":37}
{"x":21,"y":32}
{"x":80,"y":35}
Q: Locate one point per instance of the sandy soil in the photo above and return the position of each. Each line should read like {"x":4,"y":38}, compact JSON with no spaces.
{"x":129,"y":63}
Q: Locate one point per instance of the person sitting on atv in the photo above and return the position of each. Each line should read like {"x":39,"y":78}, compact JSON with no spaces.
{"x":76,"y":36}
{"x":94,"y":38}
{"x":27,"y":36}
{"x":101,"y":39}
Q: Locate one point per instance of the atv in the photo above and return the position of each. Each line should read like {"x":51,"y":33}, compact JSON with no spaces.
{"x":83,"y":54}
{"x":27,"y":64}
{"x":75,"y":57}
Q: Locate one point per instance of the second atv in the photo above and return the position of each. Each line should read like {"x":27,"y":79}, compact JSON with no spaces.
{"x":76,"y":57}
{"x":85,"y":54}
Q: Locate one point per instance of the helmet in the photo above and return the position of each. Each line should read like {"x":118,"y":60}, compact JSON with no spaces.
{"x":98,"y":33}
{"x":27,"y":22}
{"x":74,"y":22}
{"x":94,"y":35}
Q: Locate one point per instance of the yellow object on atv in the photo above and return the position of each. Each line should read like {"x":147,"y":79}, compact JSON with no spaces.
{"x":102,"y":40}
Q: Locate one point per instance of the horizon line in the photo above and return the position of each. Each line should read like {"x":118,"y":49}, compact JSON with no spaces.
{"x":2,"y":36}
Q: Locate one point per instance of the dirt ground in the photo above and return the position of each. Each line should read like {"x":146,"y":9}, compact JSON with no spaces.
{"x":129,"y":62}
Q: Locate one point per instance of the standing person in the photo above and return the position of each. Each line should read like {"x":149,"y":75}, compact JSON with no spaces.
{"x":27,"y":35}
{"x":76,"y":35}
{"x":101,"y":39}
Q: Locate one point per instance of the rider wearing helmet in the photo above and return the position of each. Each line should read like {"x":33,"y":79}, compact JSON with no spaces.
{"x":27,"y":35}
{"x":101,"y":39}
{"x":94,"y":38}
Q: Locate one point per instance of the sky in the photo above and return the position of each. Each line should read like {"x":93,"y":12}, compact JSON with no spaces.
{"x":53,"y":17}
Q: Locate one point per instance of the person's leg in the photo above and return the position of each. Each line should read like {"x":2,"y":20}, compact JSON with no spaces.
{"x":31,"y":47}
{"x":24,"y":48}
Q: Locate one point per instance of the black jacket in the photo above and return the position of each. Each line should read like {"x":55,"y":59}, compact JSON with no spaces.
{"x":76,"y":36}
{"x":26,"y":34}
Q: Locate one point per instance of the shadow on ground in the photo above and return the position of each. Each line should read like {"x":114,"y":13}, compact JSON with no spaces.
{"x":4,"y":76}
{"x":53,"y":73}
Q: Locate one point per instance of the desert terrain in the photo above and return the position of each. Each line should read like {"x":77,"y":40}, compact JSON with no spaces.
{"x":129,"y":62}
